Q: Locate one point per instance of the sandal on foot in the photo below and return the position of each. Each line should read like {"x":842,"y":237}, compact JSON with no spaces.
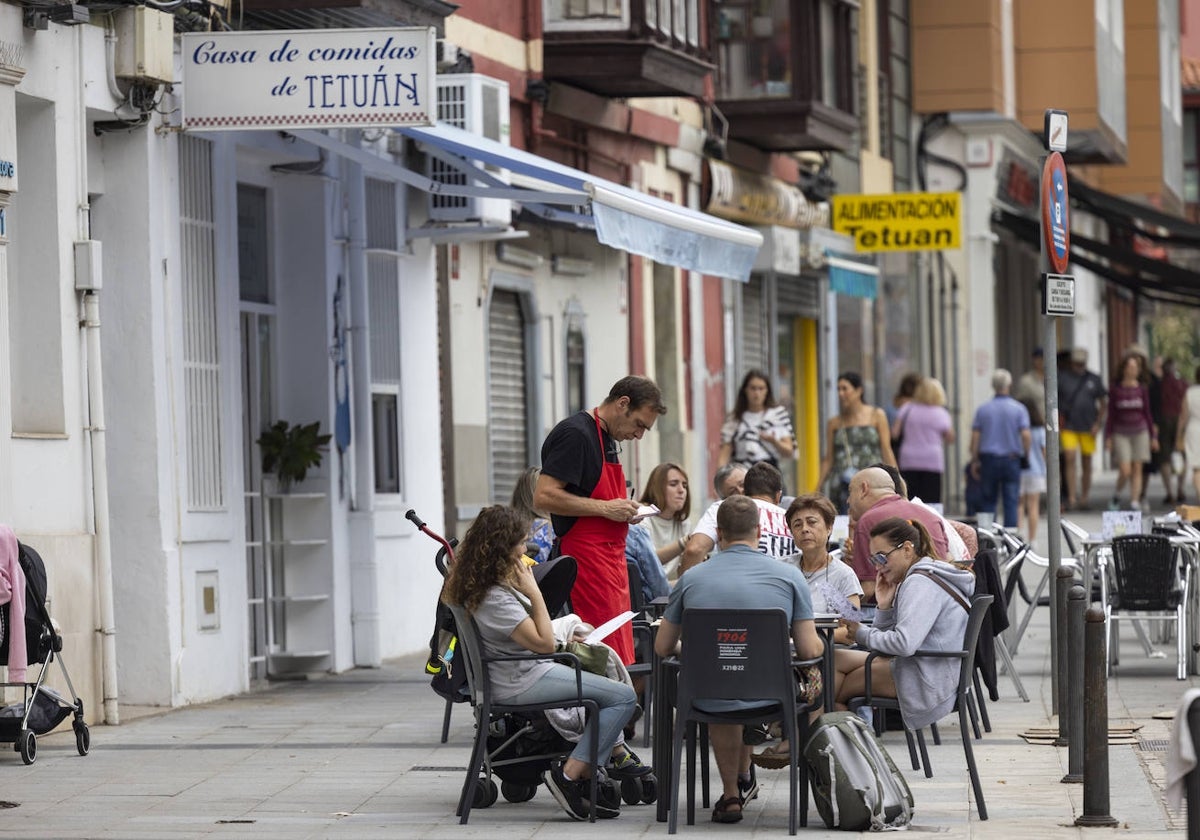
{"x":774,"y":757}
{"x":723,"y":811}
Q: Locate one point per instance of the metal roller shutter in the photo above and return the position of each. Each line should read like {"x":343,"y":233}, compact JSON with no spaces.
{"x":507,"y":439}
{"x":799,"y":296}
{"x":754,"y":332}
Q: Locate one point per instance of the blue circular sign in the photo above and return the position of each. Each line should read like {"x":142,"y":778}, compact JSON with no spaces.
{"x":1056,"y":213}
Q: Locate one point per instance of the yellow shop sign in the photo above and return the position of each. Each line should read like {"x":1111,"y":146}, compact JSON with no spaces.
{"x":900,"y":221}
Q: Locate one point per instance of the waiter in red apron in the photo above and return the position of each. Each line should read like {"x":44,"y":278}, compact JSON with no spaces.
{"x":582,"y":487}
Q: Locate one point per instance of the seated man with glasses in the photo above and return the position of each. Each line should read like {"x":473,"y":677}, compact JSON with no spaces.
{"x":739,"y":576}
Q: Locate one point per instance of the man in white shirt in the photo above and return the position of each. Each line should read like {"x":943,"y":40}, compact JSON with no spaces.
{"x":763,"y":484}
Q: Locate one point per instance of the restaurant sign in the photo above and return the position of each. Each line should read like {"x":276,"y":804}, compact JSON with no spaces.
{"x":900,"y":221}
{"x":325,"y":78}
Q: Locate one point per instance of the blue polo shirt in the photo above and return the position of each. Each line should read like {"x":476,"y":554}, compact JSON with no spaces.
{"x":740,"y":578}
{"x":999,"y":422}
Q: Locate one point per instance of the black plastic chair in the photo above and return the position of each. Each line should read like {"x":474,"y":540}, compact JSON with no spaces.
{"x":737,"y":655}
{"x":966,"y":691}
{"x":1147,"y":586}
{"x":470,"y":651}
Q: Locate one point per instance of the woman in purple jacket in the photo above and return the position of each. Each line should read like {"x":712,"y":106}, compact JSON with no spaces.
{"x":924,"y":428}
{"x":1129,"y":432}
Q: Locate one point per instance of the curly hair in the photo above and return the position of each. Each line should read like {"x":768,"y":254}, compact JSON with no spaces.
{"x":485,"y":556}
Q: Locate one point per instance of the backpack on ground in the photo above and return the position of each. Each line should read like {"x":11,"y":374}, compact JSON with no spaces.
{"x":855,"y":783}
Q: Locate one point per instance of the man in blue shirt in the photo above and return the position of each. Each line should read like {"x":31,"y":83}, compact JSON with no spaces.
{"x":1000,"y":441}
{"x":739,"y":576}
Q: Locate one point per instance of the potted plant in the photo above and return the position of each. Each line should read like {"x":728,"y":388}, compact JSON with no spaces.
{"x":290,"y":450}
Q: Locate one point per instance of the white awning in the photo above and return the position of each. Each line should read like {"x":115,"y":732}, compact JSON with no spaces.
{"x":622,"y":217}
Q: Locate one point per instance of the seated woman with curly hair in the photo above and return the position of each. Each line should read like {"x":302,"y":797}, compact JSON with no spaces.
{"x":492,"y":583}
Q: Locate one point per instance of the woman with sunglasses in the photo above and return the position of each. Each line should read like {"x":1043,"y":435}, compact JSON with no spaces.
{"x":923,"y":604}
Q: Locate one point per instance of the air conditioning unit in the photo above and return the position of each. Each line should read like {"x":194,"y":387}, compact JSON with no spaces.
{"x":478,"y":104}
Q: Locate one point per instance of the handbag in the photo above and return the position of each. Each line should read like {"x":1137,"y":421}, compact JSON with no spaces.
{"x":810,"y":684}
{"x":593,"y":658}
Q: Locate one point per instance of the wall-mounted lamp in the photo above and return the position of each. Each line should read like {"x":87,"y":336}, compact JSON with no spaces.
{"x":570,"y":266}
{"x":517,"y":256}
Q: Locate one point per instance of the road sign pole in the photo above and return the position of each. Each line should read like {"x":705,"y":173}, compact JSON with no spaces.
{"x":1054,"y":252}
{"x":1053,"y":477}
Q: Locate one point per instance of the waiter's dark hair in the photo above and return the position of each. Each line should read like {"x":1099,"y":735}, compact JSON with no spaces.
{"x":641,"y":392}
{"x":763,"y":479}
{"x":737,"y":519}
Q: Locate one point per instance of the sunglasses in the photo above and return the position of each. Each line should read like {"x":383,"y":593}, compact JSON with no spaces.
{"x":880,"y":558}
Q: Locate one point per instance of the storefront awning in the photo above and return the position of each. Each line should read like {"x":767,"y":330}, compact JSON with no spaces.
{"x":622,"y":217}
{"x":1155,"y":279}
{"x":852,"y":278}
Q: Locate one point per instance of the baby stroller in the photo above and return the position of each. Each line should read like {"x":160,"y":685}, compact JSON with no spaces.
{"x":41,"y":708}
{"x":520,"y":745}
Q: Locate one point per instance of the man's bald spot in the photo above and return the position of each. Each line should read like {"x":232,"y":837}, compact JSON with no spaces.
{"x":875,"y":479}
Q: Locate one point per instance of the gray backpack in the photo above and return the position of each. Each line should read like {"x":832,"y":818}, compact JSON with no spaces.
{"x":854,"y":781}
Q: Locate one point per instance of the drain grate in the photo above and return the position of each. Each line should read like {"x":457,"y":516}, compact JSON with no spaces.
{"x":429,"y":768}
{"x":1153,"y":745}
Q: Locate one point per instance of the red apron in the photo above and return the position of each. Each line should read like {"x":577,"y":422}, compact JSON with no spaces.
{"x":598,"y":545}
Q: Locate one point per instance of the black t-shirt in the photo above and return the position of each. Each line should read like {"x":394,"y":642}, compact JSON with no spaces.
{"x":571,"y":454}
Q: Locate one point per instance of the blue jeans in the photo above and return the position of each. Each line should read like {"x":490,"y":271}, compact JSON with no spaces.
{"x":1000,"y":476}
{"x":615,"y":700}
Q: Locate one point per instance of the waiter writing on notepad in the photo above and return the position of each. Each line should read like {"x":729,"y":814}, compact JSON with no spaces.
{"x":582,"y":487}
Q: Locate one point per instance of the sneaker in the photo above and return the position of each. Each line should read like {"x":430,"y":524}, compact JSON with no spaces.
{"x":627,"y":766}
{"x":752,"y":736}
{"x":748,"y":788}
{"x":572,"y":794}
{"x":1114,"y":503}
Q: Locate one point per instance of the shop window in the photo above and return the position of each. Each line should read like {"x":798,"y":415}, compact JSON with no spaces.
{"x":1191,"y":167}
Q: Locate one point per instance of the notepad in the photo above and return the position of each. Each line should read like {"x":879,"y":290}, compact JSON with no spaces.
{"x":609,"y":627}
{"x":644,"y":511}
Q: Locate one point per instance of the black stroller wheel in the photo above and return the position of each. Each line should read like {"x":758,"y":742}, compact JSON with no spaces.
{"x":631,"y":791}
{"x":27,"y":745}
{"x":83,"y":737}
{"x":650,"y":789}
{"x":514,"y":792}
{"x":486,"y":793}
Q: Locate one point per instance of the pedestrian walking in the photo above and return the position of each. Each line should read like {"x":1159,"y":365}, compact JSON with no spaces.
{"x":1129,"y":431}
{"x":1082,"y":406}
{"x":1000,"y":443}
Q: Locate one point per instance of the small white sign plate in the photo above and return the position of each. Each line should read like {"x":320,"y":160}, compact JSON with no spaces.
{"x":1056,"y":131}
{"x":1059,"y":294}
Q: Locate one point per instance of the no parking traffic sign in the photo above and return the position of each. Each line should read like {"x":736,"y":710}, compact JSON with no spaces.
{"x":1056,"y":218}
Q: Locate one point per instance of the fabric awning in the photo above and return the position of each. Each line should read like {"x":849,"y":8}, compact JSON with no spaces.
{"x":1155,"y":279}
{"x":852,"y":278}
{"x":621,"y":217}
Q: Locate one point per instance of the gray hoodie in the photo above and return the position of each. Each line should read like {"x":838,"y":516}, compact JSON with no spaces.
{"x":923,"y":617}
